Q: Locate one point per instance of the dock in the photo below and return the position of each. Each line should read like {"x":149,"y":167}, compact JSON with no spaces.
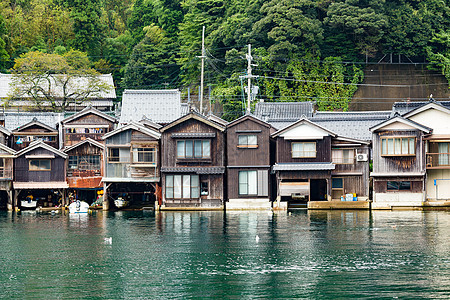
{"x":330,"y":205}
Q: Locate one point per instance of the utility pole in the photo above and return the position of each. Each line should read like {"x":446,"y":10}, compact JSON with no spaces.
{"x":249,"y":76}
{"x":203,"y":56}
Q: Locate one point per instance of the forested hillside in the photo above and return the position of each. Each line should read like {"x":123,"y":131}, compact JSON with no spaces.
{"x":299,"y":46}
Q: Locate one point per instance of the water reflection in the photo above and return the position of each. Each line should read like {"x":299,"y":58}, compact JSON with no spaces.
{"x":303,"y":254}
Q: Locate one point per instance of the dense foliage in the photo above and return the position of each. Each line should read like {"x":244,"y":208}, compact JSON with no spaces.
{"x":303,"y":49}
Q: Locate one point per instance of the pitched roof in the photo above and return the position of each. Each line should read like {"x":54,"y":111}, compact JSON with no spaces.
{"x":5,"y":131}
{"x":88,"y":140}
{"x":89,"y":110}
{"x":405,"y":107}
{"x":351,"y":124}
{"x":218,"y":120}
{"x":247,"y":117}
{"x":40,"y":144}
{"x":196,"y":116}
{"x":299,"y":122}
{"x":429,"y":105}
{"x":133,"y":126}
{"x":161,"y":106}
{"x":15,"y":119}
{"x":149,"y":123}
{"x":7,"y":149}
{"x":283,"y":111}
{"x":32,"y":123}
{"x":404,"y":121}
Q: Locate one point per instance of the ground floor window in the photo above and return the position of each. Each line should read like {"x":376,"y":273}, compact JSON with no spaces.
{"x":182,"y":187}
{"x":248,"y":183}
{"x":204,"y":188}
{"x":398,"y":185}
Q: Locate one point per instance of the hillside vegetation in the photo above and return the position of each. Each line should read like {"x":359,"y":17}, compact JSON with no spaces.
{"x":304,"y":50}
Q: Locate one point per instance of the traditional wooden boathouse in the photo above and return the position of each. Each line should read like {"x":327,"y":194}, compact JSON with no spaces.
{"x":132,"y":165}
{"x":40,"y":171}
{"x":82,"y":142}
{"x":7,"y":156}
{"x":24,"y":135}
{"x":193,"y":164}
{"x":249,"y":159}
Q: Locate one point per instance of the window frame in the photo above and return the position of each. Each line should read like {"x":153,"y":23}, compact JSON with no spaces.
{"x":343,"y":162}
{"x":302,"y":156}
{"x":246,"y":145}
{"x":193,"y":189}
{"x":190,"y":152}
{"x":92,"y":161}
{"x":399,"y":184}
{"x":247,"y":183}
{"x":400,"y":138}
{"x":39,"y":160}
{"x":146,"y":151}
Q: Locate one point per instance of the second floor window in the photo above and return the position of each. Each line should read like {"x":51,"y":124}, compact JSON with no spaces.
{"x":40,"y":165}
{"x":117,"y":155}
{"x":398,"y":146}
{"x":193,"y":149}
{"x":84,"y":162}
{"x":144,"y":155}
{"x":303,"y":149}
{"x":247,"y":141}
{"x":343,"y":156}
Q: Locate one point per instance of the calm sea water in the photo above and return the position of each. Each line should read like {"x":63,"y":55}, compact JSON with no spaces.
{"x":314,"y":255}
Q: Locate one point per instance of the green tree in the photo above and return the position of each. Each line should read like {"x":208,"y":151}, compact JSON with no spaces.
{"x":54,"y":82}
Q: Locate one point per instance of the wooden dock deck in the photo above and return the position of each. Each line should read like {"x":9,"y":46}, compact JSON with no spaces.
{"x":363,"y":205}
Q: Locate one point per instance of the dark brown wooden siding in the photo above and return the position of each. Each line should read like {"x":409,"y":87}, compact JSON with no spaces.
{"x":248,"y":156}
{"x":380,"y":185}
{"x":233,"y":183}
{"x":22,"y":173}
{"x":284,"y":151}
{"x":89,"y":119}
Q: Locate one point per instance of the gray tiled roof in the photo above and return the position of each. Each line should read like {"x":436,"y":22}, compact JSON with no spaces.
{"x":404,"y":107}
{"x":160,"y":106}
{"x":14,"y":120}
{"x":351,"y":124}
{"x":283,"y":111}
{"x":304,"y":166}
{"x":197,"y":170}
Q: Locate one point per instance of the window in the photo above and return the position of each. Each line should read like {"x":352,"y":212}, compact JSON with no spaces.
{"x":84,"y":162}
{"x":303,"y":149}
{"x":182,"y":187}
{"x":40,"y":165}
{"x":194,"y":149}
{"x":343,"y":156}
{"x":113,"y":155}
{"x":444,"y":154}
{"x":248,"y":183}
{"x":144,"y":155}
{"x":400,"y":146}
{"x":398,"y":185}
{"x":247,"y":141}
{"x":337,"y":187}
{"x":204,"y":188}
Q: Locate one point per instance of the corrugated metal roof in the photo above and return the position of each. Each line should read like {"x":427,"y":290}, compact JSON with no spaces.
{"x":197,"y":170}
{"x":283,"y":111}
{"x":5,"y":80}
{"x":304,"y":166}
{"x":160,"y":106}
{"x":14,"y":120}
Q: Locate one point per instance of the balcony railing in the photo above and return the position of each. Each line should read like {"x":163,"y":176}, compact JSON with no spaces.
{"x":6,"y":173}
{"x":438,"y":160}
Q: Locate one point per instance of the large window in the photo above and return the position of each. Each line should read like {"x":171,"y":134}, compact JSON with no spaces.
{"x":303,"y":149}
{"x":194,"y":149}
{"x":40,"y":165}
{"x":248,"y":183}
{"x":444,"y":154}
{"x":84,"y":162}
{"x":182,"y":187}
{"x":398,"y":185}
{"x":121,"y":155}
{"x":343,"y":156}
{"x":247,"y":141}
{"x":398,"y":146}
{"x":144,"y":155}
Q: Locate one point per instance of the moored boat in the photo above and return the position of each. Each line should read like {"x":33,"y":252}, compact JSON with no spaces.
{"x":120,"y":202}
{"x":78,"y":207}
{"x":28,"y":203}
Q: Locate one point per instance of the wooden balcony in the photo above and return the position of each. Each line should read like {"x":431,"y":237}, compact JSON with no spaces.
{"x":5,"y":174}
{"x":438,"y":160}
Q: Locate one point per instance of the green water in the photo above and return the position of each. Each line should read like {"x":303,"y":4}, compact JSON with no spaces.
{"x":313,"y":255}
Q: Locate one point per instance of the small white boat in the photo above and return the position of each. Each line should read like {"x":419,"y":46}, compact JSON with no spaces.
{"x":28,"y":203}
{"x":120,"y":202}
{"x":78,"y":207}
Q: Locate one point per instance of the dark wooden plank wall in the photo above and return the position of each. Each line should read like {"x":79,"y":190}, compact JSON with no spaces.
{"x":89,"y":119}
{"x":380,"y":185}
{"x":22,"y":174}
{"x":248,"y":156}
{"x":169,"y":145}
{"x":284,"y":151}
{"x":305,"y":175}
{"x":398,"y":164}
{"x":233,"y":183}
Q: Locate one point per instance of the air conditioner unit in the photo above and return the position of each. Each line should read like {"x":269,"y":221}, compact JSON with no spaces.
{"x":361,"y":157}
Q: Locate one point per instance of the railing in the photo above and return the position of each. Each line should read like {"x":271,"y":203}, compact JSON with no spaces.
{"x":83,"y":136}
{"x":5,"y":173}
{"x":83,"y":173}
{"x":438,"y":160}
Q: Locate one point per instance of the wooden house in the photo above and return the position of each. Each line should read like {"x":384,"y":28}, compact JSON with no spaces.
{"x":314,"y":164}
{"x":193,"y":163}
{"x":24,"y":135}
{"x":249,"y":149}
{"x":398,"y":163}
{"x":7,"y":156}
{"x":85,"y":170}
{"x":132,"y":164}
{"x":40,"y":171}
{"x":88,"y":123}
